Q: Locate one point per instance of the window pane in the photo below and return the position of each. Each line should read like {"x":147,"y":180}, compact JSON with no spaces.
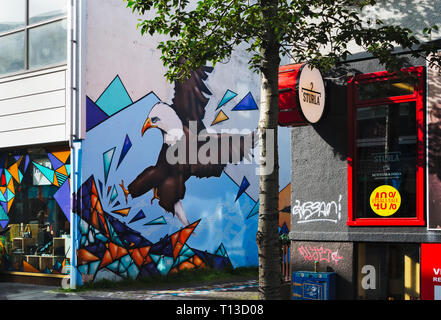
{"x":383,"y":89}
{"x":12,"y":14}
{"x":40,"y":10}
{"x":12,"y":53}
{"x":386,"y":155}
{"x":48,"y":44}
{"x":37,"y":239}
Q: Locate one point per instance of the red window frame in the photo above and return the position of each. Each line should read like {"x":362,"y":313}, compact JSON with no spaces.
{"x":353,"y":104}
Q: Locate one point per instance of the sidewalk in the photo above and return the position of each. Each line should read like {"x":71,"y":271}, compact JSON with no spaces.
{"x":239,"y":290}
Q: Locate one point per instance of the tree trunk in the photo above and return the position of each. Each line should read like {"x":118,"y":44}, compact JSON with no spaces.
{"x":267,"y":237}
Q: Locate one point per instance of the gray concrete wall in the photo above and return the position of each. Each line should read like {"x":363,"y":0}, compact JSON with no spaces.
{"x":331,"y":257}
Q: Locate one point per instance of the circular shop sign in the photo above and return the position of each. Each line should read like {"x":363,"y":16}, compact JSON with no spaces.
{"x":311,"y":93}
{"x":385,"y":200}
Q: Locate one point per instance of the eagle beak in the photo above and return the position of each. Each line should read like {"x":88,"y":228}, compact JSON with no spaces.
{"x":147,"y":125}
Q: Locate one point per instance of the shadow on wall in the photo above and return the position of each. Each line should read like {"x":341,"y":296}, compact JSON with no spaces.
{"x":333,"y":127}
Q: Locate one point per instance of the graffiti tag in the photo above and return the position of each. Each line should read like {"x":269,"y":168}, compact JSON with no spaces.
{"x":320,"y":254}
{"x":318,"y":211}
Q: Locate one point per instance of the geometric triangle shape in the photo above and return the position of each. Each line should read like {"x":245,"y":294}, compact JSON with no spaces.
{"x":125,"y":148}
{"x":62,"y":197}
{"x":221,"y":117}
{"x":114,"y":195}
{"x":246,"y":103}
{"x":122,"y":212}
{"x":227,"y":97}
{"x":56,"y":163}
{"x":107,"y":161}
{"x":4,"y":223}
{"x":94,"y":115}
{"x":62,"y":155}
{"x":114,"y":98}
{"x":13,"y":170}
{"x":3,"y":215}
{"x":157,"y":221}
{"x":254,"y":211}
{"x":243,"y":186}
{"x":8,"y":176}
{"x":48,"y":173}
{"x":140,"y":215}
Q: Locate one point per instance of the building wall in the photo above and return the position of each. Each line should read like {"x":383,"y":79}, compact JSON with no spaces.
{"x":34,"y":108}
{"x":136,"y":237}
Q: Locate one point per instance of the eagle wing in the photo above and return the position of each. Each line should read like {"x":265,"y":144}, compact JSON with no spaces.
{"x":230,"y":149}
{"x":189,"y":101}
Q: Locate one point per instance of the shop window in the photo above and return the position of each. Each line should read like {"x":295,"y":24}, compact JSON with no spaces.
{"x":33,"y":34}
{"x":386,"y":149}
{"x":388,"y":271}
{"x":34,"y":210}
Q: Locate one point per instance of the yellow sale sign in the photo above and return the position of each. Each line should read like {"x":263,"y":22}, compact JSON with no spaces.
{"x":385,"y":200}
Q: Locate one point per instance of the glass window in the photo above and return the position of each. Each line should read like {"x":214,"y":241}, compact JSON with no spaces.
{"x":48,"y":44}
{"x":12,"y":15}
{"x":33,"y":210}
{"x":24,"y":44}
{"x":388,"y":271}
{"x":386,"y":155}
{"x":12,"y":53}
{"x":41,"y":10}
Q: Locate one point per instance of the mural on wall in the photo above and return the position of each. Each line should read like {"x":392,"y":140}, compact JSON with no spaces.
{"x":24,"y":181}
{"x":140,"y":215}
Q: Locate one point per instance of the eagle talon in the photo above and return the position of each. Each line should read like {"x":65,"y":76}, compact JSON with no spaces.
{"x":126,"y":192}
{"x":155,"y":195}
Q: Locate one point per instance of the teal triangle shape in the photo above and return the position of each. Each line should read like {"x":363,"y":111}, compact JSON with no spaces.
{"x":67,"y":166}
{"x":8,"y":176}
{"x":10,"y":195}
{"x":3,"y":215}
{"x":107,"y":161}
{"x":48,"y":173}
{"x":114,"y":98}
{"x":227,"y":97}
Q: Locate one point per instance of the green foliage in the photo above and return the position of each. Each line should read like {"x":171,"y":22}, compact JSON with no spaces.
{"x":210,"y":30}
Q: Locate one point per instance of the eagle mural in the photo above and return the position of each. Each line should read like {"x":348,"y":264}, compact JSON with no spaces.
{"x":180,"y":124}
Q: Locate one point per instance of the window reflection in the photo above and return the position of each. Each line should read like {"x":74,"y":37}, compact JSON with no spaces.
{"x":12,"y":53}
{"x":386,"y":155}
{"x":48,"y":44}
{"x":12,"y":15}
{"x":40,"y":10}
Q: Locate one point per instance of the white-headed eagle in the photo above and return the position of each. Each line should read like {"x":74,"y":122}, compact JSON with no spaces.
{"x":168,"y":180}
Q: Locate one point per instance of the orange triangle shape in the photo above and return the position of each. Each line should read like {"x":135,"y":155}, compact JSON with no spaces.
{"x":221,"y":117}
{"x":106,"y":260}
{"x":29,"y":268}
{"x":174,"y":238}
{"x":137,"y":257}
{"x":13,"y":170}
{"x":144,"y":251}
{"x":185,"y":233}
{"x":177,"y":248}
{"x":62,"y":155}
{"x":63,"y":171}
{"x":121,"y":252}
{"x":85,"y":256}
{"x":113,"y":250}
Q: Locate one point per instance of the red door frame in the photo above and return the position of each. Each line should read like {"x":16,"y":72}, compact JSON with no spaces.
{"x":418,"y":98}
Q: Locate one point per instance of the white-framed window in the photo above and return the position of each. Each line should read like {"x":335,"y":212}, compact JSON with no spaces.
{"x":33,"y":35}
